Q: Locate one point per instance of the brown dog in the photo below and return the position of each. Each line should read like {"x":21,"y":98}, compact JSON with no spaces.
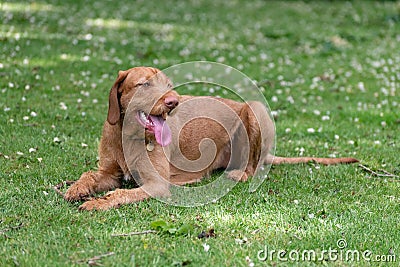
{"x":203,"y":134}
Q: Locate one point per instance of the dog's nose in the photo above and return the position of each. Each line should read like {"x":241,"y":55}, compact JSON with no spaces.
{"x":171,"y":102}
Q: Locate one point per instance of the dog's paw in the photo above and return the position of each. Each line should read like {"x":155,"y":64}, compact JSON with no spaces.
{"x":98,"y":204}
{"x":237,"y":175}
{"x":77,"y":192}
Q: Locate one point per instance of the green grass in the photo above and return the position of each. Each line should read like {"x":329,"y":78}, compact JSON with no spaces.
{"x":313,"y":59}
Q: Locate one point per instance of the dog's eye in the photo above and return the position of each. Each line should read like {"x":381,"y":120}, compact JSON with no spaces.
{"x":145,"y":84}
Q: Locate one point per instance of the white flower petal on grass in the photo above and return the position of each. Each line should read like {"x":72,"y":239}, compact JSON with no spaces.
{"x":288,"y":130}
{"x":85,"y":93}
{"x":32,"y":150}
{"x":63,"y":106}
{"x":337,"y":137}
{"x":249,"y":261}
{"x":325,"y":118}
{"x":88,"y":37}
{"x":40,"y":159}
{"x":206,"y":247}
{"x":302,"y":149}
{"x":19,"y":153}
{"x":311,"y":130}
{"x":263,"y":56}
{"x":84,"y":145}
{"x":25,"y":118}
{"x":377,"y":142}
{"x":361,"y":86}
{"x":221,"y":59}
{"x":56,"y":140}
{"x":241,"y":241}
{"x":311,"y":215}
{"x":33,"y":114}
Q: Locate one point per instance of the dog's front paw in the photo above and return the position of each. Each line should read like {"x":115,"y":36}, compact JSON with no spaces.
{"x":77,"y":192}
{"x":98,"y":204}
{"x":237,"y":175}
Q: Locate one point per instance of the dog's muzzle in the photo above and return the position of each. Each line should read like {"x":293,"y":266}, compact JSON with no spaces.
{"x":157,"y":126}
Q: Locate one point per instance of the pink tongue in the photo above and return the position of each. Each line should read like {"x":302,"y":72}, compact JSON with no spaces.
{"x":162,"y":132}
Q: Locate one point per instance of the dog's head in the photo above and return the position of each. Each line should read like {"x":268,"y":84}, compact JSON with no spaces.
{"x":147,"y":94}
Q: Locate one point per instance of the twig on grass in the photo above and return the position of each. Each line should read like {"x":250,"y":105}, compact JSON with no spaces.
{"x":3,"y":231}
{"x":93,"y":261}
{"x":378,"y":174}
{"x":57,"y":187}
{"x":136,"y":233}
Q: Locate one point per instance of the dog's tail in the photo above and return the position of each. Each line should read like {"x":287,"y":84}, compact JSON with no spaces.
{"x":324,"y":161}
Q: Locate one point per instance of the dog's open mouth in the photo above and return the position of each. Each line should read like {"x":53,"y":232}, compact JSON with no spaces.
{"x":156,"y":124}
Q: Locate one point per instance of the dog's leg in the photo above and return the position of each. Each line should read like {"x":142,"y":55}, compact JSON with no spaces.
{"x":108,"y":176}
{"x":154,"y":173}
{"x":260,"y":135}
{"x":120,"y":197}
{"x":242,"y":155}
{"x":92,"y":182}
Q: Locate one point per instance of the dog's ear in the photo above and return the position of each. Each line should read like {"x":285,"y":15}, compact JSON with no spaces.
{"x":114,"y":110}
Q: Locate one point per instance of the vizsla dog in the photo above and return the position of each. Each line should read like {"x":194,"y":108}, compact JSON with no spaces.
{"x":160,"y":138}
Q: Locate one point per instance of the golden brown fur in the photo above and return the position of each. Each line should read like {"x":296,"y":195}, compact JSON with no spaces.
{"x":149,"y":90}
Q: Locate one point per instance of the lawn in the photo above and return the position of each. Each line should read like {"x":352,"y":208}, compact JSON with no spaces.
{"x":330,"y":71}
